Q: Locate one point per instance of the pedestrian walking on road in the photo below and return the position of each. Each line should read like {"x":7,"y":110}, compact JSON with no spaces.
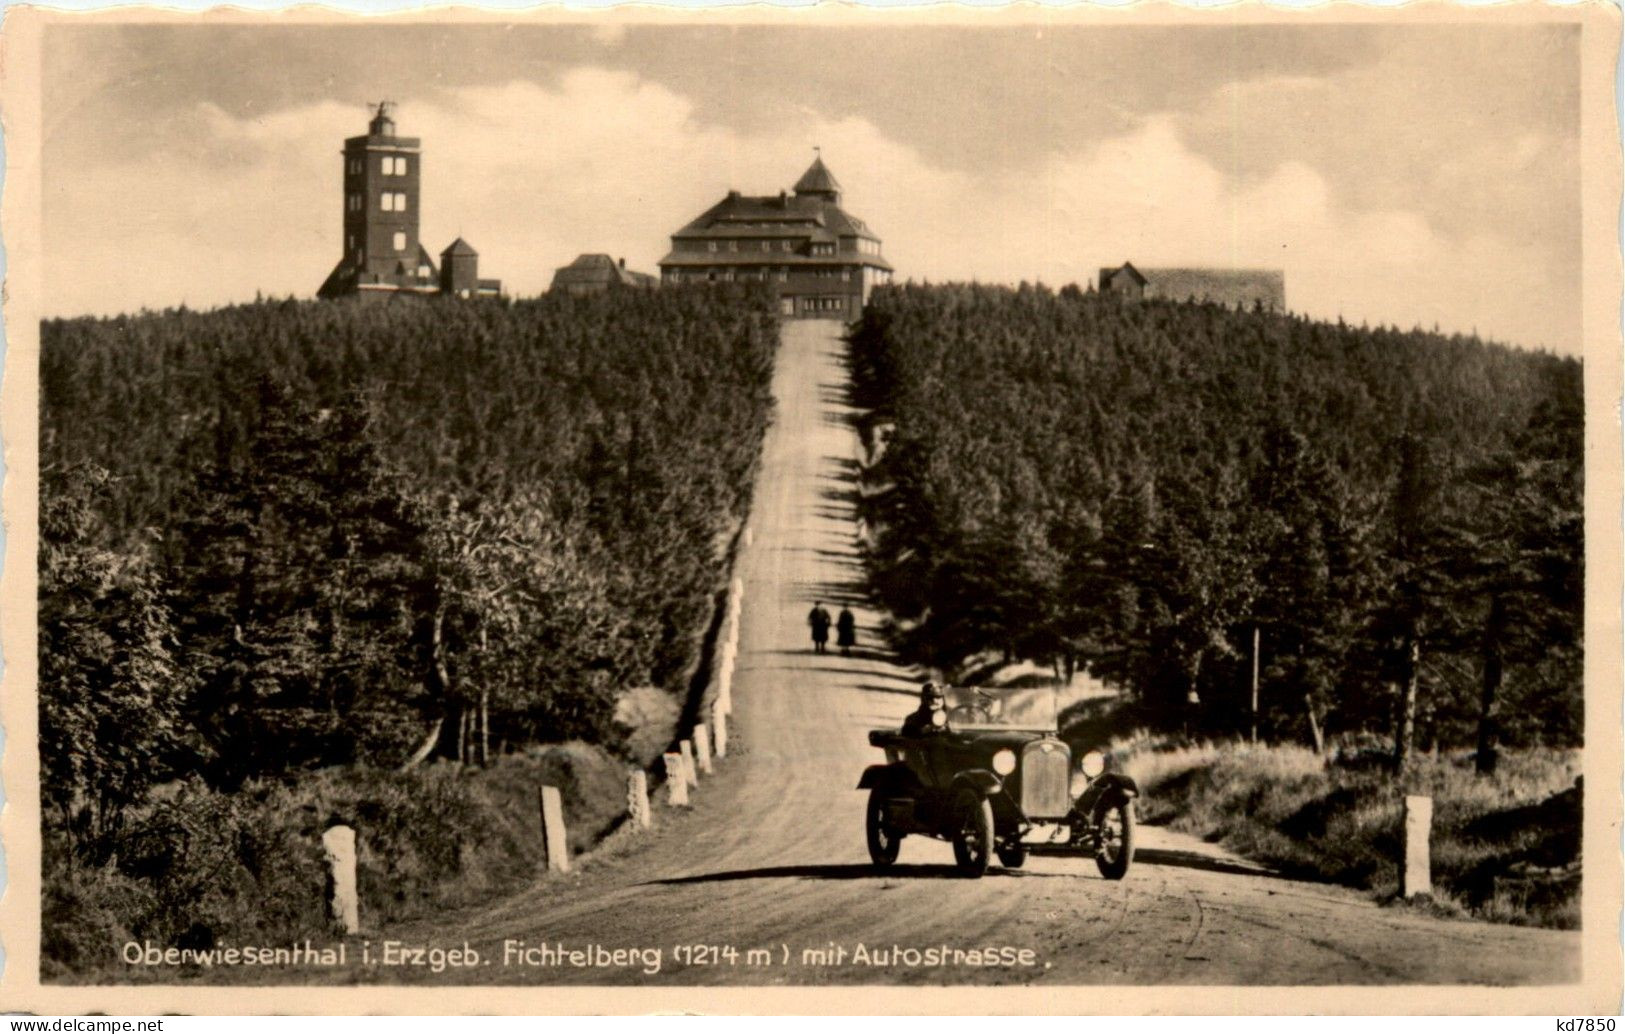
{"x":818,"y":618}
{"x":846,"y":632}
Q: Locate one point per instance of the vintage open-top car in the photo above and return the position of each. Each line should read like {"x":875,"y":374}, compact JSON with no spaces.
{"x":990,"y":775}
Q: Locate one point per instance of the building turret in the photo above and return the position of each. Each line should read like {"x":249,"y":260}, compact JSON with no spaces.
{"x":460,"y":269}
{"x":818,"y":182}
{"x":383,"y":124}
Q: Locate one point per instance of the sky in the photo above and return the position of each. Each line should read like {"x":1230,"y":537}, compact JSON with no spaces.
{"x":1412,"y":175}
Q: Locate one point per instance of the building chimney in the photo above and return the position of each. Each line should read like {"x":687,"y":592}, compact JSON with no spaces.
{"x":623,"y":263}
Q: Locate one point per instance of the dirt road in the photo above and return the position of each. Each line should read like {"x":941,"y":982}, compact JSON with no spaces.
{"x":771,"y":859}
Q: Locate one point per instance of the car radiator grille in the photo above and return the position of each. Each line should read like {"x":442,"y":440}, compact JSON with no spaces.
{"x":1046,"y":775}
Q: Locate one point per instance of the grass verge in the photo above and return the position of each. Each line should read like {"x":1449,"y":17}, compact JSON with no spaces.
{"x":1505,"y":847}
{"x":200,"y":868}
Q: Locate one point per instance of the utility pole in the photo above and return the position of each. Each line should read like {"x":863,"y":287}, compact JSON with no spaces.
{"x":1255,"y":684}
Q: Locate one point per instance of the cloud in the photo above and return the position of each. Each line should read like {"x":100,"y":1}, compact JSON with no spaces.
{"x":607,"y":161}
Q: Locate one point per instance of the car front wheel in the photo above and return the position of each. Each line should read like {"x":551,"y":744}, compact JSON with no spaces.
{"x":1114,"y":826}
{"x":973,"y":833}
{"x":884,"y":841}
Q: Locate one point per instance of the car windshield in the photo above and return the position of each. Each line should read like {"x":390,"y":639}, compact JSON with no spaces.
{"x":991,"y":707}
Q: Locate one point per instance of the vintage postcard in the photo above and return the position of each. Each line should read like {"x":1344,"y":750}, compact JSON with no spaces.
{"x":820,"y":510}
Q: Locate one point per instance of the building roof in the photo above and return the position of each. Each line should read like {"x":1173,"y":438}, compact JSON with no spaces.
{"x":345,"y":277}
{"x":817,"y":180}
{"x":811,"y":215}
{"x":461,"y":249}
{"x":731,"y":259}
{"x":1107,"y":274}
{"x":599,"y":268}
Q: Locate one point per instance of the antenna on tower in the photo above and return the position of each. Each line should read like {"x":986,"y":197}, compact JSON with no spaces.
{"x":383,"y":123}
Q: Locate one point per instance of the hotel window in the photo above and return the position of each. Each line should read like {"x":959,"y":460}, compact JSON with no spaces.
{"x":846,"y":274}
{"x":710,"y":245}
{"x":787,"y":245}
{"x":767,"y":245}
{"x":424,"y":272}
{"x":784,"y":275}
{"x":733,"y":245}
{"x":386,"y":201}
{"x":400,"y":241}
{"x":727,"y":276}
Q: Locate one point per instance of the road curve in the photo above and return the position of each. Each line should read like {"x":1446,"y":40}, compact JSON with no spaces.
{"x":771,"y":858}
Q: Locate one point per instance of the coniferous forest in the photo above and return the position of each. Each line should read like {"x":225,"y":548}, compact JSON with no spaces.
{"x":285,"y":536}
{"x":1149,"y":488}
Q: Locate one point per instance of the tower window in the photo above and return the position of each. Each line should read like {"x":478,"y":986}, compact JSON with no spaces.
{"x":354,"y":202}
{"x":392,"y":201}
{"x":400,"y":241}
{"x":394,"y":165}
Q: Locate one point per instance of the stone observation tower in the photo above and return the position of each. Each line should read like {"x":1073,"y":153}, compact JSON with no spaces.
{"x":383,"y":257}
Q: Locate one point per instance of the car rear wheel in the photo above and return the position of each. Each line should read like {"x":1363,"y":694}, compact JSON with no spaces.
{"x":1114,"y":825}
{"x":1012,"y":856}
{"x":884,"y":841}
{"x":973,"y":833}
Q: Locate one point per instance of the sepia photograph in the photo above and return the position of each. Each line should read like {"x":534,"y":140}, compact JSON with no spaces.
{"x":1091,"y":504}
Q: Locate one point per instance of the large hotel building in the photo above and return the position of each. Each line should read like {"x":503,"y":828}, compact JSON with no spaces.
{"x":821,"y":261}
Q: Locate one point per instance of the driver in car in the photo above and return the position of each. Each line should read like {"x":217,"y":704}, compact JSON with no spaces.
{"x":932,"y":701}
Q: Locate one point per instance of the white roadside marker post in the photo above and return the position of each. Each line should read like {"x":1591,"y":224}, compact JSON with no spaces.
{"x":1416,"y":873}
{"x":719,"y":720}
{"x":690,"y":773}
{"x":344,"y":904}
{"x":637,"y":799}
{"x":553,"y":838}
{"x":676,"y":781}
{"x":702,"y":748}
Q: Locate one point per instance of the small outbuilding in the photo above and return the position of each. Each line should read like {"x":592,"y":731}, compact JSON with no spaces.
{"x":596,"y":272}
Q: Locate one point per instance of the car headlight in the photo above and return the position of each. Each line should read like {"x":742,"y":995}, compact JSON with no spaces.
{"x":939,"y":718}
{"x":1093,"y":763}
{"x":1004,"y":762}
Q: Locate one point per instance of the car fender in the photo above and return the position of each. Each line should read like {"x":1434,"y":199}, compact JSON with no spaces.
{"x":1109,"y":788}
{"x":979,"y":781}
{"x":894,"y":778}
